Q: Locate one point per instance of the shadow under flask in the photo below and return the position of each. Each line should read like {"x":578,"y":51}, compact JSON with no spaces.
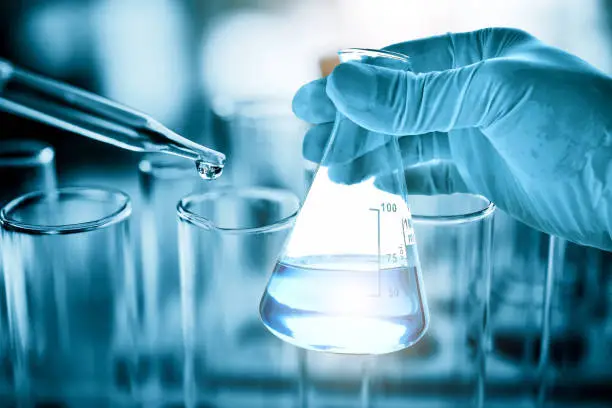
{"x":349,"y":279}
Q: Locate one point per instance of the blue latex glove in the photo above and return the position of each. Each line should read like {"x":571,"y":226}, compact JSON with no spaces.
{"x":494,"y":112}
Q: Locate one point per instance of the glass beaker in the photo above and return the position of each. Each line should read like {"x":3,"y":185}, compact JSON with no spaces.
{"x":25,"y":165}
{"x":70,"y":287}
{"x":447,"y":364}
{"x":229,"y":239}
{"x":349,"y":278}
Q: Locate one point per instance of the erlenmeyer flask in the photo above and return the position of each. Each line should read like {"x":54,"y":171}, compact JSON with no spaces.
{"x":349,"y":280}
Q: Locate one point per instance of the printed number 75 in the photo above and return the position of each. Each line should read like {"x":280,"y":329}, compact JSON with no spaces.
{"x":391,"y":257}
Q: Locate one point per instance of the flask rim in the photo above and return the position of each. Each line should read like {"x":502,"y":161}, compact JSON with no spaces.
{"x":374,"y":53}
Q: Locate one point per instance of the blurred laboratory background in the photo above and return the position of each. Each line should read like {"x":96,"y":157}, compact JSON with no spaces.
{"x":155,"y":304}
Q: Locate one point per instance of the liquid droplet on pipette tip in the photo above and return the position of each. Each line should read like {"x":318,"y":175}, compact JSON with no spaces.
{"x":208,"y":171}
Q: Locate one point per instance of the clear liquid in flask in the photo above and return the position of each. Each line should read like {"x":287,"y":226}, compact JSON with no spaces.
{"x":345,"y":304}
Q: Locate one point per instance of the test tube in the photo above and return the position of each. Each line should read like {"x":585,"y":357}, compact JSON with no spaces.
{"x":25,"y":165}
{"x":70,"y":287}
{"x":163,"y":181}
{"x":447,"y":366}
{"x":229,"y":241}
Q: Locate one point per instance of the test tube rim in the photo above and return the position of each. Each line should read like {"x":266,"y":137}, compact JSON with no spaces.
{"x":35,"y":152}
{"x":121,"y":212}
{"x":465,"y":218}
{"x":186,"y":215}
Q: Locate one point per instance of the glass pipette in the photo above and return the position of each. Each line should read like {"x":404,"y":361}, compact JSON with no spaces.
{"x":60,"y":105}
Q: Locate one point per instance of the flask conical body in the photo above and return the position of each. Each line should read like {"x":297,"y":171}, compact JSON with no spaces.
{"x":349,"y":279}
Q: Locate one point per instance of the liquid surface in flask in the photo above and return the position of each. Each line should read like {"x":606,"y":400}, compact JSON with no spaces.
{"x":345,"y":304}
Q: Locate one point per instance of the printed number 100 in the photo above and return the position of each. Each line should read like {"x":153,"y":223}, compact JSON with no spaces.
{"x":388,"y":207}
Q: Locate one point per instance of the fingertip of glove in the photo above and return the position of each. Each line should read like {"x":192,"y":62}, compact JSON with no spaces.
{"x":299,"y":102}
{"x":311,"y":103}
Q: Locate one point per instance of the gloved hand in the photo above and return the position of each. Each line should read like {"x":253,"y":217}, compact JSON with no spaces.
{"x":494,"y":112}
